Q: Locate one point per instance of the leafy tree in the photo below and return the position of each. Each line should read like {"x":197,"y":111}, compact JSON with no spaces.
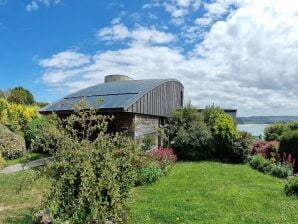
{"x":20,"y":95}
{"x":190,"y":136}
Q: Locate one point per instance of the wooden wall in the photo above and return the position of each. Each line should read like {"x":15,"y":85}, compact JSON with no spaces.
{"x":160,"y":101}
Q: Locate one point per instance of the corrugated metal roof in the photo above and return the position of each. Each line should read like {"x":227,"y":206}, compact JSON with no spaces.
{"x":113,"y":95}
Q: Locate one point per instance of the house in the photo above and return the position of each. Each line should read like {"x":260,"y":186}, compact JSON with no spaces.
{"x":139,"y":107}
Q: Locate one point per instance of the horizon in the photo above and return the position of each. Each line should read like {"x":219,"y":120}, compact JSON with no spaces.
{"x":238,"y":54}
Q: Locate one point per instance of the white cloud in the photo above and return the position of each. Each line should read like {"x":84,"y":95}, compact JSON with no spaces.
{"x":178,"y":9}
{"x":248,"y":60}
{"x":64,"y":60}
{"x":36,"y":4}
{"x":139,"y":35}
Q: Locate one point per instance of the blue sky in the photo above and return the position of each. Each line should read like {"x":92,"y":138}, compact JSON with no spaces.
{"x":234,"y":53}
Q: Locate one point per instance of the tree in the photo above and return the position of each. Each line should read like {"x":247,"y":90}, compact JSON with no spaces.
{"x":20,"y":95}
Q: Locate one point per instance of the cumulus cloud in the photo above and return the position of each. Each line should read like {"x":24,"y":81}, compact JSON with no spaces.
{"x":36,"y":4}
{"x":247,"y":60}
{"x":140,"y":35}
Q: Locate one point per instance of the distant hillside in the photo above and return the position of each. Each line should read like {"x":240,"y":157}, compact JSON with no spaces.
{"x":265,"y":119}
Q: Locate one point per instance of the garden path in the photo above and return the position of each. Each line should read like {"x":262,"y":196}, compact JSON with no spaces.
{"x":24,"y":166}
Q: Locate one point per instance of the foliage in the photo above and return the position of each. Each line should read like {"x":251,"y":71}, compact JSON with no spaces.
{"x":191,"y":138}
{"x":224,"y":132}
{"x":2,"y":161}
{"x":271,"y":167}
{"x":148,"y":173}
{"x":239,"y":150}
{"x":4,"y":107}
{"x":291,"y":187}
{"x":274,"y":132}
{"x":183,"y":118}
{"x":20,"y":95}
{"x":20,"y":115}
{"x":41,"y":134}
{"x":12,"y":145}
{"x":289,"y":145}
{"x":148,"y":142}
{"x":91,"y":180}
{"x":266,"y":149}
{"x":193,"y":143}
{"x":166,"y":158}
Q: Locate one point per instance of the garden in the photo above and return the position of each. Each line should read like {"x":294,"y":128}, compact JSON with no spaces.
{"x":206,"y":171}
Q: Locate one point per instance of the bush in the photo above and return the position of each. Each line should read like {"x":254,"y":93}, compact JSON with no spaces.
{"x":41,"y":134}
{"x":289,"y":145}
{"x":2,"y":161}
{"x":193,"y":143}
{"x":148,"y":173}
{"x":20,"y":115}
{"x":12,"y":145}
{"x":274,"y":132}
{"x":91,"y":180}
{"x":4,"y":106}
{"x":281,"y":170}
{"x":20,"y":95}
{"x":166,"y":159}
{"x":271,"y":167}
{"x":148,"y":142}
{"x":266,"y":149}
{"x":239,"y":150}
{"x":291,"y":187}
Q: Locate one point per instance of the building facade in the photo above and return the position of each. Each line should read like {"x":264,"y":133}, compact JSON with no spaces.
{"x":139,"y":107}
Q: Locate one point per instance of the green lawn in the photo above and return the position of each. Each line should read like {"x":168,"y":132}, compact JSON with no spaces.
{"x":17,"y":207}
{"x":213,"y":193}
{"x":193,"y":193}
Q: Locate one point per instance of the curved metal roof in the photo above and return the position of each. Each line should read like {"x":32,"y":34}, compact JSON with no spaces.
{"x":117,"y":95}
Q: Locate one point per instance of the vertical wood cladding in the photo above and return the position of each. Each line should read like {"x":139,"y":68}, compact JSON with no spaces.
{"x":160,"y":101}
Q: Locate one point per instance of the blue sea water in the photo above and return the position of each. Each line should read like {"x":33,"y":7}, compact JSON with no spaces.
{"x":254,"y":129}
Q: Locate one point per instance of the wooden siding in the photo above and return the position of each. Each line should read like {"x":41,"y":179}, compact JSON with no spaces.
{"x":160,"y":101}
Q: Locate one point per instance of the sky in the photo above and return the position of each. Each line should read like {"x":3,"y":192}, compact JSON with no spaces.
{"x":239,"y":54}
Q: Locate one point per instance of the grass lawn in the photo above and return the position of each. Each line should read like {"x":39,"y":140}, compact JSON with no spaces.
{"x":17,"y":207}
{"x":32,"y":156}
{"x":204,"y":192}
{"x":213,"y":193}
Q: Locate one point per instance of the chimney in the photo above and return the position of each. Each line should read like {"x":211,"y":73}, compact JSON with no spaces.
{"x":115,"y":78}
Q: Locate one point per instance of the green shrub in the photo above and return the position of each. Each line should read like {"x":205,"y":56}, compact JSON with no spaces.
{"x":41,"y":134}
{"x":193,"y":143}
{"x":2,"y":161}
{"x":148,"y":142}
{"x":274,"y":132}
{"x":271,"y":167}
{"x":291,"y":187}
{"x":289,"y":145}
{"x":280,"y":170}
{"x":148,"y":173}
{"x":91,"y":180}
{"x":12,"y":145}
{"x":224,"y":132}
{"x":239,"y":150}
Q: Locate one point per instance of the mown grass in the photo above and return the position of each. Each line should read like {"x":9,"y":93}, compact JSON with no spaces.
{"x":204,"y":192}
{"x":17,"y":206}
{"x":211,"y":192}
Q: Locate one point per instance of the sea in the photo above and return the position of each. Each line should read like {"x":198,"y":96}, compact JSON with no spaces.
{"x":256,"y":130}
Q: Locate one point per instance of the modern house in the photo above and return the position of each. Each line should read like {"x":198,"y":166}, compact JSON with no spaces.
{"x":140,"y":107}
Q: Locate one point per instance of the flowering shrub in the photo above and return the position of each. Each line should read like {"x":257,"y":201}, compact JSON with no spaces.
{"x":20,"y":115}
{"x":266,"y":149}
{"x":166,"y":158}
